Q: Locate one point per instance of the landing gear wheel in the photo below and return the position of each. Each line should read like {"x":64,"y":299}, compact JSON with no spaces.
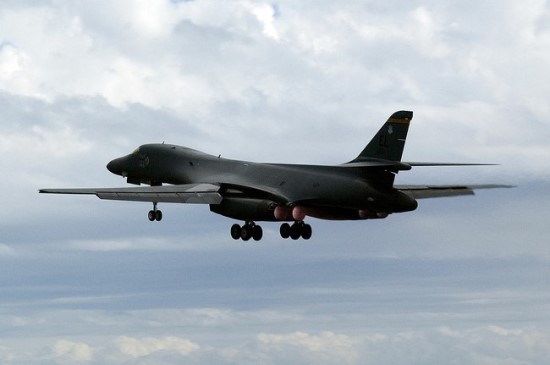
{"x":306,"y":231}
{"x":154,"y":214}
{"x":295,"y":231}
{"x":257,"y":233}
{"x":236,"y":231}
{"x":246,"y":232}
{"x":285,"y":230}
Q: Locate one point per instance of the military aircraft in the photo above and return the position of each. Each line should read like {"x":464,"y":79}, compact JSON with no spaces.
{"x":247,"y":191}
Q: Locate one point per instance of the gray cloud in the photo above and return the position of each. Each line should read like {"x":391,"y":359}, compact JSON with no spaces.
{"x":87,"y":281}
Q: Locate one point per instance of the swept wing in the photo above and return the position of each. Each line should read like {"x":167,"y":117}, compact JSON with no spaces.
{"x":441,"y":191}
{"x":186,"y":193}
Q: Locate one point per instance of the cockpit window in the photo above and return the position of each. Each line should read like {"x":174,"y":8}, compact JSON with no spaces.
{"x":143,"y":160}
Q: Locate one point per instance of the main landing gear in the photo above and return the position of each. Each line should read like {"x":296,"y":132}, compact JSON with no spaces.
{"x":252,"y":230}
{"x":247,"y":231}
{"x":296,"y":230}
{"x":155,"y":214}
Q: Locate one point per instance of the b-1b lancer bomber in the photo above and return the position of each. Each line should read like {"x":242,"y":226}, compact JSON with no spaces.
{"x":251,"y":192}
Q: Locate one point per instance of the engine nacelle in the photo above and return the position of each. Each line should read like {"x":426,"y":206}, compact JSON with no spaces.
{"x":283,"y":213}
{"x":246,"y":209}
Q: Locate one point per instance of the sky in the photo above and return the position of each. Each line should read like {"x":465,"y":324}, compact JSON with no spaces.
{"x":460,"y":280}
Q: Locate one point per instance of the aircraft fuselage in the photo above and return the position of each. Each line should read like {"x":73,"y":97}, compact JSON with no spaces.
{"x":327,"y":192}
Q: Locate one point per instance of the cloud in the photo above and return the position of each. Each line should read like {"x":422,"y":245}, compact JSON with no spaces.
{"x":266,"y":16}
{"x":82,"y":37}
{"x":480,"y":345}
{"x":6,"y":250}
{"x":135,"y":347}
{"x":156,"y":243}
{"x":72,"y":352}
{"x":13,"y":64}
{"x":291,"y":81}
{"x":295,"y":78}
{"x":228,"y":337}
{"x":327,"y":347}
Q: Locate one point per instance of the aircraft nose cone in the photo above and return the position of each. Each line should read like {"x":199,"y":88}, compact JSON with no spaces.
{"x":111,"y":166}
{"x":115,"y":167}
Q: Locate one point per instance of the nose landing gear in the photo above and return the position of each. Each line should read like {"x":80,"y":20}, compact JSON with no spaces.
{"x":155,"y":214}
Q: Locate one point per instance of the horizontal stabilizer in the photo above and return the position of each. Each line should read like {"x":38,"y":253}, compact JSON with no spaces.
{"x":386,"y":164}
{"x":187,"y":193}
{"x":448,"y":164}
{"x":441,"y":191}
{"x":400,"y":166}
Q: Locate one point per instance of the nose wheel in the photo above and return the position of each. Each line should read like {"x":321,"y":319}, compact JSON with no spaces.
{"x":247,"y":231}
{"x":155,"y":214}
{"x":296,"y":230}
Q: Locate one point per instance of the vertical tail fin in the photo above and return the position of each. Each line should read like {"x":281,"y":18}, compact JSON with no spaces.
{"x":389,"y":142}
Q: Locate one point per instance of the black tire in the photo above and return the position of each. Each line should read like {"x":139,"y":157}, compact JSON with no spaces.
{"x":306,"y":231}
{"x":158,"y":215}
{"x":285,"y":230}
{"x":295,"y":231}
{"x":151,"y":215}
{"x":257,"y":233}
{"x":236,"y":232}
{"x":246,"y":232}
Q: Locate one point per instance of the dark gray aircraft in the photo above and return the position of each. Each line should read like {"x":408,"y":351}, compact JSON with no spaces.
{"x":360,"y":189}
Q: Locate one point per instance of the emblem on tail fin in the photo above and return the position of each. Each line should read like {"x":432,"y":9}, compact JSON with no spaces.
{"x":389,"y":142}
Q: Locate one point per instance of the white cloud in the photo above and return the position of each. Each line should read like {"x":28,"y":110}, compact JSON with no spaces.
{"x":236,"y":337}
{"x":312,"y":343}
{"x":135,"y":347}
{"x":72,"y":352}
{"x":265,"y":15}
{"x":334,"y":65}
{"x":12,"y":65}
{"x":44,"y":141}
{"x":17,"y":72}
{"x":327,"y":347}
{"x":6,"y":250}
{"x":147,"y":244}
{"x":70,"y":50}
